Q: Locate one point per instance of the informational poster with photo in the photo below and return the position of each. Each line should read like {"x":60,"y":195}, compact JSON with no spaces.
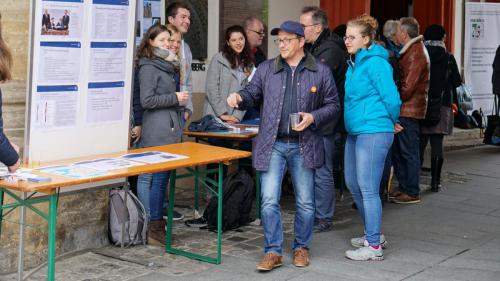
{"x":149,"y":12}
{"x":105,"y":102}
{"x":107,"y":61}
{"x":110,"y":19}
{"x":56,"y":106}
{"x":61,"y":19}
{"x":59,"y":62}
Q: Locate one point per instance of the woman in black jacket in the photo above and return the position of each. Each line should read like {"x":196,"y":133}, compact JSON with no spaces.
{"x":439,"y":118}
{"x":495,"y":79}
{"x":8,"y":151}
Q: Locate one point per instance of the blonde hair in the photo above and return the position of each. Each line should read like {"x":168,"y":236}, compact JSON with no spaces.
{"x":5,"y":59}
{"x":367,"y":25}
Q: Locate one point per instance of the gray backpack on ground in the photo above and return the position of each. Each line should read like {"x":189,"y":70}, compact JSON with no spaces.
{"x":133,"y":215}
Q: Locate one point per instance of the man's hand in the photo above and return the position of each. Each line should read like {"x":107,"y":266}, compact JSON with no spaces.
{"x":234,"y":99}
{"x":14,"y":167}
{"x":229,"y":118}
{"x":187,"y":114}
{"x":397,"y":128}
{"x":307,"y":120}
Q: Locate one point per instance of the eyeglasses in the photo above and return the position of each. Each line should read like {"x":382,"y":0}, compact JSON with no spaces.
{"x":351,"y":38}
{"x":307,"y":25}
{"x":261,"y":33}
{"x":285,"y":41}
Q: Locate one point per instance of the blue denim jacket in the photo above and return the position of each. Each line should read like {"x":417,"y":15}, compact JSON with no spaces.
{"x":316,"y":94}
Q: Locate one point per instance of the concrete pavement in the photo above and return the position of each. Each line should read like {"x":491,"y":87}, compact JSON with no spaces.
{"x":450,"y":235}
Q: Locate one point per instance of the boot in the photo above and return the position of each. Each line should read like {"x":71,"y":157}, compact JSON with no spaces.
{"x":156,"y":232}
{"x":436,"y":165}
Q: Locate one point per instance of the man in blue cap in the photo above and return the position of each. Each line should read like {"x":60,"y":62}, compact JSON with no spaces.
{"x":292,"y":83}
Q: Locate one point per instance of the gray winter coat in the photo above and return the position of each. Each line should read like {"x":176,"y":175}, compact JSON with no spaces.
{"x":161,"y":120}
{"x":221,"y":81}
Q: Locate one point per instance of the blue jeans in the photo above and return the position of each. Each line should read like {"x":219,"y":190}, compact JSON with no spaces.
{"x":151,"y":190}
{"x":286,"y":155}
{"x":364,"y":163}
{"x":406,"y":156}
{"x":324,"y":190}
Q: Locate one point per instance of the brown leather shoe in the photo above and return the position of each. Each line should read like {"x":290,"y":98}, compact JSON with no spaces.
{"x":270,"y":261}
{"x":301,"y":257}
{"x":406,"y":199}
{"x":394,"y":194}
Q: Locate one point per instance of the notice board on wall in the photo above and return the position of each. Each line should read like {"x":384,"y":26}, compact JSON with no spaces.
{"x":80,"y":78}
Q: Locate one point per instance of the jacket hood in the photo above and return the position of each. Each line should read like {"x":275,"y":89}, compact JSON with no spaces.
{"x":159,"y":63}
{"x":375,"y":50}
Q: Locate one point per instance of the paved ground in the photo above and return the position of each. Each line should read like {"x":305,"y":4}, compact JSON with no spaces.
{"x":451,"y":235}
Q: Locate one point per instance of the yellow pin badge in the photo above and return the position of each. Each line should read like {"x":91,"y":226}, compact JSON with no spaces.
{"x":314,"y":89}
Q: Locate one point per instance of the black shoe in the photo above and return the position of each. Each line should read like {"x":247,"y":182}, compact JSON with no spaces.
{"x":177,"y":216}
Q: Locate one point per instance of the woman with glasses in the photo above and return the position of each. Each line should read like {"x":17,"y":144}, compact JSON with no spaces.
{"x":371,"y":110}
{"x":9,"y":152}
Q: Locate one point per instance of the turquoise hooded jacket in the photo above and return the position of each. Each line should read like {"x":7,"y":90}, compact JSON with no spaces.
{"x":372,"y":100}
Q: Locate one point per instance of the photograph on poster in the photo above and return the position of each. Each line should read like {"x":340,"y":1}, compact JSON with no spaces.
{"x":56,"y":106}
{"x":61,"y":21}
{"x":148,"y":13}
{"x":156,"y":21}
{"x":59,"y":62}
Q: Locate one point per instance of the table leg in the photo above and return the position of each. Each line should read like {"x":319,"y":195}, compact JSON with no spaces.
{"x":219,"y":213}
{"x":1,"y":210}
{"x":52,"y":237}
{"x":20,"y":258}
{"x":196,"y":190}
{"x":170,"y":220}
{"x":257,"y":194}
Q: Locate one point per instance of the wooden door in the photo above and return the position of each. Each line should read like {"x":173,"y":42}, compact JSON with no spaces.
{"x":341,"y":11}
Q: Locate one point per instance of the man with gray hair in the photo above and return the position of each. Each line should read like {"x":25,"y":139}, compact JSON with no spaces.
{"x":254,"y":29}
{"x":326,"y":47}
{"x":414,"y":65}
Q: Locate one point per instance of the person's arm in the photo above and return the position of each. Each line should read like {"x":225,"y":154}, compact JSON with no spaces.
{"x":252,"y":93}
{"x":413,"y":70}
{"x":382,"y":81}
{"x":137,"y":109}
{"x":148,"y":83}
{"x":8,"y":153}
{"x":214,"y":97}
{"x":495,"y":78}
{"x":188,"y":79}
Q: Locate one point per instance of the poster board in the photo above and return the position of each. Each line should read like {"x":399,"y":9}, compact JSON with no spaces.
{"x":148,"y":13}
{"x":80,"y":78}
{"x":481,"y":41}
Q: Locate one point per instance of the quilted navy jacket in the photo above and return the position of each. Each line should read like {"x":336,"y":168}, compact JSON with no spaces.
{"x":317,"y":95}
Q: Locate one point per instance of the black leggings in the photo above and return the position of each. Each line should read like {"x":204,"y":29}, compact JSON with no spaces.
{"x":436,"y":145}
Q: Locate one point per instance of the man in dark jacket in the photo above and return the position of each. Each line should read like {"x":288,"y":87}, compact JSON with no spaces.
{"x":292,"y":83}
{"x":327,"y":48}
{"x":495,"y":79}
{"x":254,"y":29}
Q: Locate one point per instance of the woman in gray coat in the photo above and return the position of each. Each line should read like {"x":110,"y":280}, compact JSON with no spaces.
{"x":228,"y":73}
{"x":161,"y":121}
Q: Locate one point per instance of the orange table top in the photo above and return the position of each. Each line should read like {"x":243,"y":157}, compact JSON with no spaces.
{"x":199,"y":154}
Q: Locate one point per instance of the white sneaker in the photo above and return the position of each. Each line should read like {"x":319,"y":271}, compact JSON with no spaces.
{"x":359,"y":242}
{"x":365,"y":254}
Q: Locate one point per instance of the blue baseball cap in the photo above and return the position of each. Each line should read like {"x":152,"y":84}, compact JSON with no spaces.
{"x":289,"y":26}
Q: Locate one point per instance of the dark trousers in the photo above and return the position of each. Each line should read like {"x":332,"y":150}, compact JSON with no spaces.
{"x":406,"y":156}
{"x":436,"y":145}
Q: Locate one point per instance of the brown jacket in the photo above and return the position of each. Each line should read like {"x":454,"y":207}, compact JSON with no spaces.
{"x":414,"y":65}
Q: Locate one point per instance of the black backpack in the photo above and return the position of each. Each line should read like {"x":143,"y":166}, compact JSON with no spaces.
{"x":237,"y":199}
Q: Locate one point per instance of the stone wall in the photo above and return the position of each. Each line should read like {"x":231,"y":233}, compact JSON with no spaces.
{"x":82,"y":218}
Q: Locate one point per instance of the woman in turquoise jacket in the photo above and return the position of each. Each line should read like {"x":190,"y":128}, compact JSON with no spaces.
{"x":371,"y":110}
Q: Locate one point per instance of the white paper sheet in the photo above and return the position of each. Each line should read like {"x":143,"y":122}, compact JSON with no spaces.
{"x":108,"y":164}
{"x":56,"y":106}
{"x":59,"y":62}
{"x":154,"y":157}
{"x":107,"y":61}
{"x":59,"y":20}
{"x":105,"y":102}
{"x":110,"y":19}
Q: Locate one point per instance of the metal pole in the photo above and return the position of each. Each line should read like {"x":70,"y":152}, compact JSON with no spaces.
{"x":1,"y":210}
{"x":219,"y":214}
{"x":20,"y":257}
{"x":51,"y":262}
{"x":170,"y":220}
